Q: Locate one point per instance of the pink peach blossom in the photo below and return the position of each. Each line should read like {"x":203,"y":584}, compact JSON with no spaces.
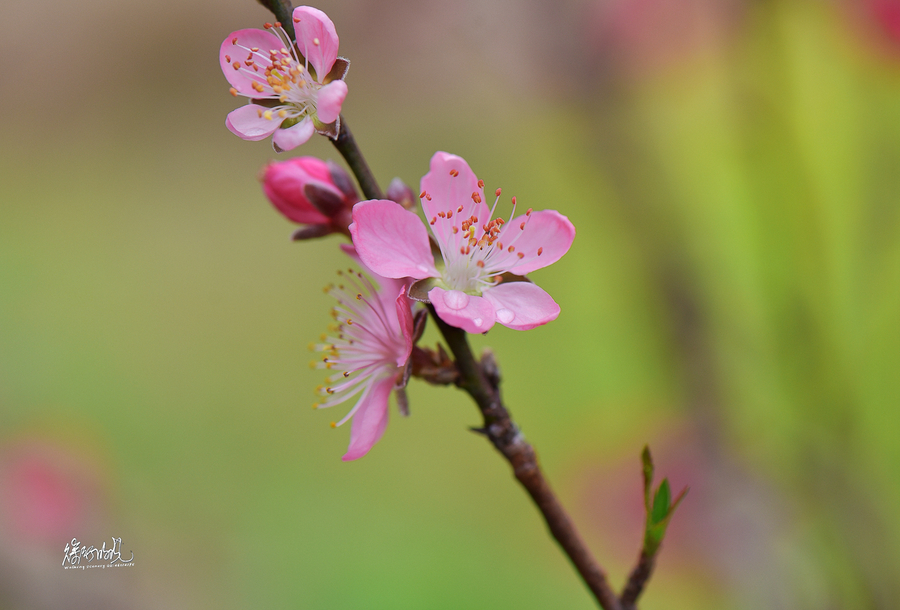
{"x":289,"y":101}
{"x":368,"y":355}
{"x":467,"y":289}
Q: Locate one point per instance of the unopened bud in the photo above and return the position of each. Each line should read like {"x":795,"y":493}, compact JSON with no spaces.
{"x":305,"y":191}
{"x":402,"y":194}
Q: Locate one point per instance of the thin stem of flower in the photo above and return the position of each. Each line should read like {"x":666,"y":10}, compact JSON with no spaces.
{"x":346,"y":145}
{"x":283,"y":11}
{"x":481,"y":381}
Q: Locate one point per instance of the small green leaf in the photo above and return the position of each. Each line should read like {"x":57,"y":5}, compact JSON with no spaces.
{"x":655,"y":537}
{"x":676,"y":502}
{"x":661,"y":503}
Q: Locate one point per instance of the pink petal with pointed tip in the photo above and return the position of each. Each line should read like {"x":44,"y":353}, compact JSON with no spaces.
{"x":470,"y":313}
{"x":370,"y":420}
{"x":547,"y":231}
{"x":246,"y":123}
{"x":331,"y":96}
{"x":293,"y":136}
{"x":405,"y":317}
{"x":448,"y":193}
{"x":240,"y":79}
{"x":391,"y":241}
{"x":522,"y":305}
{"x":316,"y":39}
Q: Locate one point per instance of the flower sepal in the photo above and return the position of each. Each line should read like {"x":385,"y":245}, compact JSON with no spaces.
{"x":418,"y":291}
{"x":338,"y":70}
{"x":341,"y":179}
{"x":324,"y":199}
{"x":311,"y":232}
{"x":329,"y":130}
{"x":507,"y":277}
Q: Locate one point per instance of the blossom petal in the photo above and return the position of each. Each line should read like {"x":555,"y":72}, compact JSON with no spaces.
{"x":230,"y":53}
{"x":316,"y":39}
{"x":471,"y":313}
{"x":391,"y":241}
{"x":521,"y":305}
{"x":448,"y":193}
{"x":388,"y":286}
{"x":293,"y":136}
{"x":370,"y":419}
{"x":249,"y":123}
{"x":546,"y":237}
{"x":331,"y":96}
{"x":405,"y":317}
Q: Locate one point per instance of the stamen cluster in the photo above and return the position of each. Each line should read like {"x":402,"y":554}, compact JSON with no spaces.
{"x":368,"y":352}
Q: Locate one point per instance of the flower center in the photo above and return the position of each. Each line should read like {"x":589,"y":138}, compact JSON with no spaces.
{"x":475,"y":252}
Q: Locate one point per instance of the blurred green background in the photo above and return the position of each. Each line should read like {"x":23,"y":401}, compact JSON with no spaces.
{"x":731,"y":298}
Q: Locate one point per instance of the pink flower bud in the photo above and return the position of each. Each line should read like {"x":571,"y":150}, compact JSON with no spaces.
{"x":399,"y":192}
{"x":309,"y":191}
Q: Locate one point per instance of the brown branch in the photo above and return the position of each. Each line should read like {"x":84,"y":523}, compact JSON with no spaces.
{"x":637,"y":579}
{"x":346,"y":145}
{"x":481,"y":382}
